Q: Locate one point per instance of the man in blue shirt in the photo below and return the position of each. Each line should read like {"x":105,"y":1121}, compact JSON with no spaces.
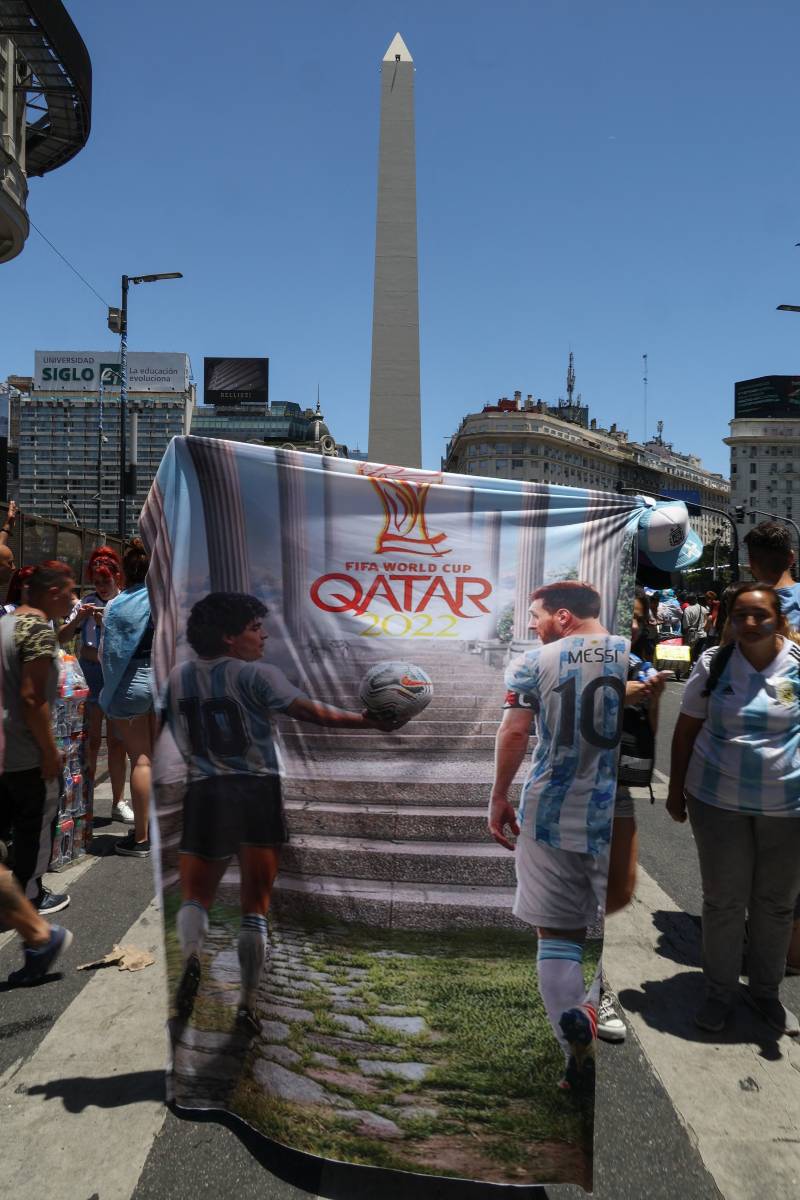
{"x":769,"y":546}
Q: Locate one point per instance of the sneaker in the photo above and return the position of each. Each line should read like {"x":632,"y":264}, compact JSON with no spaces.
{"x":122,"y":812}
{"x":187,"y":988}
{"x":51,"y":902}
{"x":610,"y":1025}
{"x":579,"y":1027}
{"x":713,"y":1014}
{"x":131,"y":848}
{"x":39,"y":962}
{"x":776,"y":1015}
{"x":247,"y":1022}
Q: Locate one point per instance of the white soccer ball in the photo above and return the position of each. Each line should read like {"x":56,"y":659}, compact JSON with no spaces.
{"x":395,"y":691}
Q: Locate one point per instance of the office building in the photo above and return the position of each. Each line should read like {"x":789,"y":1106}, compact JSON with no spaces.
{"x":559,"y":443}
{"x":282,"y":424}
{"x":68,"y":446}
{"x":764,"y":442}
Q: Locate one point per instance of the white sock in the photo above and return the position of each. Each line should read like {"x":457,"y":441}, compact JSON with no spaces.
{"x":252,"y":949}
{"x":561,"y":985}
{"x":192,"y":926}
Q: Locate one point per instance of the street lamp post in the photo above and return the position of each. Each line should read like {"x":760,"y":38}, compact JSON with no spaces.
{"x":100,"y":439}
{"x":118,"y":323}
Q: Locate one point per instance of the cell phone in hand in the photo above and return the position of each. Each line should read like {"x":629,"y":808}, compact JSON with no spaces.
{"x":667,"y":676}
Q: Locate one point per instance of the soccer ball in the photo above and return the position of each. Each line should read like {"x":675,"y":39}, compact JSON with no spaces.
{"x":395,"y":691}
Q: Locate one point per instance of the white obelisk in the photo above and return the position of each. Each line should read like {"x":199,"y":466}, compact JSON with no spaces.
{"x":394,"y":399}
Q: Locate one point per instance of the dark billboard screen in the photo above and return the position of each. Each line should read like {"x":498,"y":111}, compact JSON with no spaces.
{"x":769,"y":396}
{"x":233,"y":381}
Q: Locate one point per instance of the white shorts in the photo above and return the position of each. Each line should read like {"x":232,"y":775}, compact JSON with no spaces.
{"x":559,"y":889}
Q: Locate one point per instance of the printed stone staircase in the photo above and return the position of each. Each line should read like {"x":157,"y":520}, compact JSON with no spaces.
{"x":390,"y":829}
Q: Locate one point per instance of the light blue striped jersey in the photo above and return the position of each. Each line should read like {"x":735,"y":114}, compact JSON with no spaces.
{"x":790,"y":603}
{"x":576,"y":688}
{"x":219,"y":712}
{"x":747,"y":754}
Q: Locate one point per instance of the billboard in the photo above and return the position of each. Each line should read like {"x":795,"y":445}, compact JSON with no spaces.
{"x":80,"y":371}
{"x":233,"y":381}
{"x":768,"y":396}
{"x":689,"y":496}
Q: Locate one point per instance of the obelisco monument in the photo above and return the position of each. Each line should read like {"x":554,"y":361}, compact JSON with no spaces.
{"x":394,"y":400}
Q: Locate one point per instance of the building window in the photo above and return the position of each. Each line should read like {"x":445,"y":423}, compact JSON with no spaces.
{"x":516,"y":464}
{"x":753,"y":485}
{"x":753,"y":468}
{"x":733,"y":468}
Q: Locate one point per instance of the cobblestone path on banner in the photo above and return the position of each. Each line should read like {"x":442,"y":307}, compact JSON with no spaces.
{"x":336,"y":1056}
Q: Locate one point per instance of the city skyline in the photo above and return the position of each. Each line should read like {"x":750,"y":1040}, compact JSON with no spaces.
{"x":554,"y":212}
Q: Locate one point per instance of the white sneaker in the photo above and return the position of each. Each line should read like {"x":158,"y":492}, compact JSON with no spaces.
{"x":610,"y":1025}
{"x":122,"y":812}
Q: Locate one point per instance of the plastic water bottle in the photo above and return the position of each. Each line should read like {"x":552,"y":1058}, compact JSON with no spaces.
{"x":646,"y":671}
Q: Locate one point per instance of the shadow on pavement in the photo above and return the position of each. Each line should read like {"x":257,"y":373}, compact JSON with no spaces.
{"x":103,"y":844}
{"x":342,"y":1181}
{"x":669,"y":1005}
{"x":680,"y":937}
{"x":81,"y":1092}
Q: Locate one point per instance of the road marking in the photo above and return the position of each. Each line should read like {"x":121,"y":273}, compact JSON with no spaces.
{"x":103,"y":1059}
{"x":739,"y":1100}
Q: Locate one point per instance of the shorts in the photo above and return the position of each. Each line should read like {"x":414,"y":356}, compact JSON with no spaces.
{"x":623,"y":804}
{"x":134,"y":696}
{"x":559,"y":889}
{"x":225,"y":812}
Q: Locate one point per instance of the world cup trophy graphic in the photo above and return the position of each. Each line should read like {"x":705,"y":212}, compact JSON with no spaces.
{"x":404,"y":492}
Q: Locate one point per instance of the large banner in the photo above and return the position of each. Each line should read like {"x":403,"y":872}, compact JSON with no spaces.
{"x":352,"y":659}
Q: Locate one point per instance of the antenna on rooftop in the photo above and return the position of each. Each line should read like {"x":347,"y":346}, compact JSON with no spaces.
{"x":644,"y":381}
{"x":570,"y":378}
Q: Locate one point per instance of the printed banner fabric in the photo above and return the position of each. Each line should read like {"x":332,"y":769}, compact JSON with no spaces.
{"x":349,"y":664}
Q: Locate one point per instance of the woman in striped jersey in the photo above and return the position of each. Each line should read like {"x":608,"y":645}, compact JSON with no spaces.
{"x":736,"y":767}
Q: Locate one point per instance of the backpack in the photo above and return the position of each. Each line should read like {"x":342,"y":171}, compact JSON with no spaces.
{"x":637,"y":749}
{"x":719,"y":661}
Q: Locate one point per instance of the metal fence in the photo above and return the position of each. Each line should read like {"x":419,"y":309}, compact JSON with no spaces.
{"x":36,"y":539}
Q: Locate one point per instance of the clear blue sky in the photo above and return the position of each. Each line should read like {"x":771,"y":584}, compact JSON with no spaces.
{"x":617,"y":179}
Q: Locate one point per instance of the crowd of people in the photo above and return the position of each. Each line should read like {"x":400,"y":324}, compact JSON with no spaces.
{"x":111,"y":630}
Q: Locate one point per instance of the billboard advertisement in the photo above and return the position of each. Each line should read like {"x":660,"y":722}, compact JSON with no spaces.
{"x":768,"y":396}
{"x":352,"y":953}
{"x":232,"y":381}
{"x":81,"y":370}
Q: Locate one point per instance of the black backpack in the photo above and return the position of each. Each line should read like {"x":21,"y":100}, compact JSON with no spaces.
{"x":637,"y":749}
{"x":720,"y":659}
